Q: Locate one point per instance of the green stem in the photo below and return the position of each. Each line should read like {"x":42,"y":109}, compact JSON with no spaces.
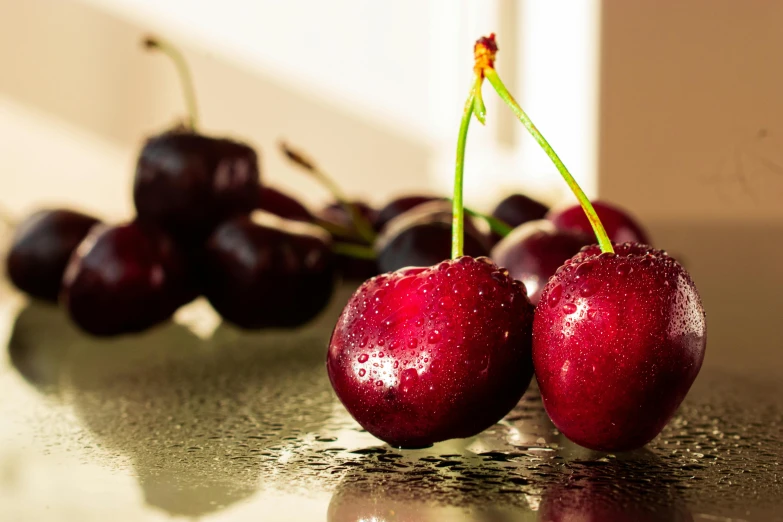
{"x":458,"y":211}
{"x":603,"y":240}
{"x":496,"y":225}
{"x":355,"y":251}
{"x":184,"y":75}
{"x":362,"y":224}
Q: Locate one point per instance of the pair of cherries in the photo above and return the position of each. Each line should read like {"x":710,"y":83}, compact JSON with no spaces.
{"x":422,"y":355}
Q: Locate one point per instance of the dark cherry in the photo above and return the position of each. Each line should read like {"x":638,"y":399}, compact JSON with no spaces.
{"x":41,"y":247}
{"x":187,"y":183}
{"x":619,"y":225}
{"x":533,"y":251}
{"x":423,"y":355}
{"x":264,"y":271}
{"x":517,"y":209}
{"x":281,"y":204}
{"x":618,"y":339}
{"x":399,"y":206}
{"x":422,"y":237}
{"x":124,"y":279}
{"x":351,"y":268}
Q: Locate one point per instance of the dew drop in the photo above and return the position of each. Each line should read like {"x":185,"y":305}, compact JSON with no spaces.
{"x":362,"y":372}
{"x":434,"y":337}
{"x":363,"y":358}
{"x":379,"y":382}
{"x":589,"y":288}
{"x":412,"y":343}
{"x":569,"y":308}
{"x":584,"y":269}
{"x":555,"y":295}
{"x":624,"y":269}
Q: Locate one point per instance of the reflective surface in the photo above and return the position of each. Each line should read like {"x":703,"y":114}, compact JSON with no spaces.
{"x":214,"y":424}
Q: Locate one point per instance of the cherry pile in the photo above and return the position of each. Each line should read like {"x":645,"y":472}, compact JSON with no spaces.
{"x":421,"y":355}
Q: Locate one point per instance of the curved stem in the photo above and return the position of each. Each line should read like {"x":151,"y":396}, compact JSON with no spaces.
{"x":458,"y":211}
{"x":362,"y":224}
{"x":183,"y":70}
{"x":603,"y":240}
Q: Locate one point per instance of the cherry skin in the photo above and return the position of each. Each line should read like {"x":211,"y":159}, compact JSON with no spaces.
{"x":619,"y":225}
{"x":399,"y":206}
{"x":533,"y":251}
{"x":422,"y":237}
{"x":187,"y":183}
{"x":617,"y":342}
{"x":517,"y":209}
{"x":422,"y":355}
{"x":336,"y":214}
{"x":281,"y":204}
{"x":125,"y":279}
{"x":41,"y":247}
{"x":263,"y":271}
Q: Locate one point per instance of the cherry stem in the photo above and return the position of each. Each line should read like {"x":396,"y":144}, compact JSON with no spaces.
{"x":603,"y":239}
{"x":355,"y":251}
{"x":362,"y":224}
{"x":152,"y":42}
{"x":472,"y":106}
{"x":496,"y":225}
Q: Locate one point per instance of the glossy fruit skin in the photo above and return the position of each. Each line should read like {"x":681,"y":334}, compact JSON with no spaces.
{"x":423,"y":355}
{"x":124,"y":279}
{"x":399,"y":206}
{"x":422,"y":237}
{"x":262,"y":271}
{"x":617,"y":342}
{"x":517,"y":209}
{"x":187,"y":183}
{"x":534,"y":251}
{"x":281,"y":204}
{"x":41,"y":247}
{"x":619,"y":225}
{"x":351,"y":268}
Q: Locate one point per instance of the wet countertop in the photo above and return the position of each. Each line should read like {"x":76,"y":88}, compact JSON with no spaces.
{"x":197,"y":420}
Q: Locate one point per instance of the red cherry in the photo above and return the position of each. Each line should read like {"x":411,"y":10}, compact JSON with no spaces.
{"x":532,"y":252}
{"x":619,"y":225}
{"x":422,"y":355}
{"x":618,"y":339}
{"x":281,"y":204}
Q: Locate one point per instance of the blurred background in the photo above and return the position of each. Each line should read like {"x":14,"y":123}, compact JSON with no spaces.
{"x":669,"y":109}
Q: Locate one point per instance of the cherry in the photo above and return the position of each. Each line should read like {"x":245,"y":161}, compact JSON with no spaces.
{"x":125,"y":279}
{"x":422,"y":355}
{"x":281,"y":204}
{"x":263,"y":271}
{"x":399,"y":206}
{"x":426,"y":354}
{"x":422,"y":237}
{"x":517,"y":209}
{"x":618,"y":337}
{"x":187,"y":183}
{"x":618,"y":341}
{"x":532,"y":252}
{"x":619,"y":224}
{"x":41,"y":247}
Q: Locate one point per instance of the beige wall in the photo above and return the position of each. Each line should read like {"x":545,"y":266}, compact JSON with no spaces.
{"x":691,"y":139}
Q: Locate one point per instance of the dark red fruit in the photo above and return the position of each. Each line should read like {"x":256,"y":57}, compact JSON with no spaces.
{"x":532,"y":252}
{"x":617,"y":342}
{"x":281,"y":204}
{"x":187,"y":183}
{"x":264,"y":271}
{"x":351,"y":268}
{"x":41,"y":247}
{"x":422,"y":237}
{"x":619,"y":225}
{"x":399,"y":206}
{"x":125,"y":278}
{"x":517,"y":209}
{"x":423,"y":355}
{"x":335,"y":213}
